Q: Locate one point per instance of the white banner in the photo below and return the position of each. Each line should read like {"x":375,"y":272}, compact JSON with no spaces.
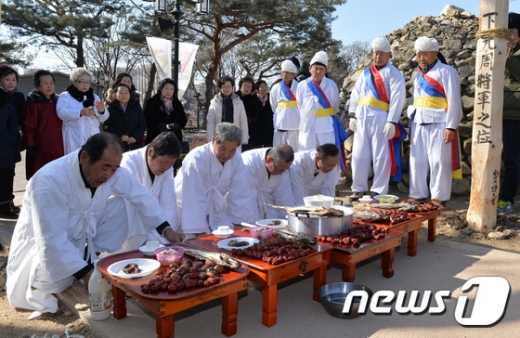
{"x":161,"y":51}
{"x":187,"y":53}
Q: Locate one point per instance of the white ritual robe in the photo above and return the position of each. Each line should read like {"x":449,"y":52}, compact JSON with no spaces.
{"x":162,"y":188}
{"x":428,"y":152}
{"x":307,"y":180}
{"x":59,"y":217}
{"x":370,"y":144}
{"x":286,"y":121}
{"x":271,"y":189}
{"x":316,"y":131}
{"x":77,"y":129}
{"x":210,"y":193}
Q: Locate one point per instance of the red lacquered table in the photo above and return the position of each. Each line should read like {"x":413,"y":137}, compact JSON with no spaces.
{"x":349,"y":256}
{"x":165,"y":304}
{"x":268,"y":276}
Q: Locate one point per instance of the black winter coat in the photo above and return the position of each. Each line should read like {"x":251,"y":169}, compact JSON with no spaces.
{"x":157,"y":119}
{"x":131,"y":123}
{"x":251,"y":105}
{"x":9,"y":135}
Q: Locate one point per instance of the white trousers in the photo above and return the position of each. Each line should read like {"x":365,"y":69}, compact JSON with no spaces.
{"x":289,"y":137}
{"x":311,"y":140}
{"x":371,"y":146}
{"x":429,"y":154}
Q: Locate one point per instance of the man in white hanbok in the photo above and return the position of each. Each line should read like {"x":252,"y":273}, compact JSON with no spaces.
{"x":153,"y":168}
{"x":315,"y":172}
{"x":286,"y":118}
{"x":435,"y":115}
{"x":211,"y":186}
{"x":376,"y":103}
{"x":69,"y":216}
{"x":268,"y":179}
{"x":318,"y":102}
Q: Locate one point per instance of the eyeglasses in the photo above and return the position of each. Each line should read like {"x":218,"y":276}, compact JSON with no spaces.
{"x":83,"y":82}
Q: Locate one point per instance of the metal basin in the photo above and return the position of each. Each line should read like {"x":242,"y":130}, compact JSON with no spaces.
{"x":332,"y":297}
{"x":314,"y":225}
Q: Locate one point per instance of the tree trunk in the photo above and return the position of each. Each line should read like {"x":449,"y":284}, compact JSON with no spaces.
{"x":487,"y":123}
{"x":151,"y":81}
{"x":80,"y":60}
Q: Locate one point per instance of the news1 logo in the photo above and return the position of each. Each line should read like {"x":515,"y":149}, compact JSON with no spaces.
{"x":488,"y":308}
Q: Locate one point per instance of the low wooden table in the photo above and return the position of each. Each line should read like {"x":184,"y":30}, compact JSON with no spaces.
{"x":268,"y":276}
{"x":165,"y":304}
{"x":412,"y":226}
{"x":349,"y":256}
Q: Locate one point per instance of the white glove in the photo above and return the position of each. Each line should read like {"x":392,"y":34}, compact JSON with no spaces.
{"x":352,"y":124}
{"x":389,"y":130}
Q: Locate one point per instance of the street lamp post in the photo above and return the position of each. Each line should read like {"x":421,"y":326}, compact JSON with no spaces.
{"x":161,"y":6}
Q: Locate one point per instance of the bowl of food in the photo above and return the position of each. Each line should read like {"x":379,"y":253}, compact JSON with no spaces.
{"x":318,"y":201}
{"x":386,"y":198}
{"x":169,"y":254}
{"x":223,"y":231}
{"x":261,"y":232}
{"x":333,"y":295}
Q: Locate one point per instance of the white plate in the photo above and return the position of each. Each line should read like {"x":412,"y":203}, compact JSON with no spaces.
{"x":144,"y":250}
{"x":263,"y":223}
{"x":377,"y":197}
{"x":223,"y":244}
{"x":146,"y":265}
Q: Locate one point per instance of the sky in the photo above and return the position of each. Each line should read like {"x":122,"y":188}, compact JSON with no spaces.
{"x":363,"y":20}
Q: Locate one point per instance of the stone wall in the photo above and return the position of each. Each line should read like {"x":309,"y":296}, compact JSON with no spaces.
{"x":455,"y":31}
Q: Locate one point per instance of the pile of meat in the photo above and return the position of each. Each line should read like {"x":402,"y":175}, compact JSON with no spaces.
{"x":358,"y":234}
{"x":274,"y":251}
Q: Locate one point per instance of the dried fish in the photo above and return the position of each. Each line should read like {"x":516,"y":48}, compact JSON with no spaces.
{"x":296,"y":236}
{"x":216,"y":257}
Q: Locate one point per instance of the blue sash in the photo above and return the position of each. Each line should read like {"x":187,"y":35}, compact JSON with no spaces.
{"x":287,"y":92}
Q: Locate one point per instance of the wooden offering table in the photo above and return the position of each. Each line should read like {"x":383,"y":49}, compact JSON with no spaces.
{"x":268,"y":276}
{"x":413,"y":225}
{"x":165,"y":304}
{"x":349,"y":256}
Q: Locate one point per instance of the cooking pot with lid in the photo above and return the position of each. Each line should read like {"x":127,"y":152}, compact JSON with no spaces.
{"x":314,"y":225}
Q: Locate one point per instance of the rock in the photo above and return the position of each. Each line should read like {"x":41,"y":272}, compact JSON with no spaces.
{"x":465,"y":129}
{"x":513,"y":218}
{"x":467,"y":103}
{"x":460,"y":186}
{"x":403,"y":188}
{"x":466,"y":147}
{"x":496,"y":235}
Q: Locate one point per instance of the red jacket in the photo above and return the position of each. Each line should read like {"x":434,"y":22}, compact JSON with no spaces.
{"x":42,"y":128}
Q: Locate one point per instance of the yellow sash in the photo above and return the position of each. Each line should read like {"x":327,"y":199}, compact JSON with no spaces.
{"x":324,"y":112}
{"x":430,"y":102}
{"x":373,"y":102}
{"x":287,"y":104}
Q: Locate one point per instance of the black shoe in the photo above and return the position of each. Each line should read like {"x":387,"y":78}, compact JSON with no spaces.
{"x":14,"y":208}
{"x":356,"y":195}
{"x":8,"y":215}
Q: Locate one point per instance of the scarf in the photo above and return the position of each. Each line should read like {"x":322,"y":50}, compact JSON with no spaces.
{"x":262,"y":99}
{"x":168,"y":105}
{"x":37,"y":96}
{"x":227,"y":108}
{"x":80,"y":96}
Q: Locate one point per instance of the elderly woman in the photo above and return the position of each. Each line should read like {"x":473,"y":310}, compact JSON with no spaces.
{"x":227,"y":106}
{"x":42,"y":132}
{"x":9,"y":140}
{"x":126,"y":119}
{"x":80,"y":110}
{"x":164,"y":112}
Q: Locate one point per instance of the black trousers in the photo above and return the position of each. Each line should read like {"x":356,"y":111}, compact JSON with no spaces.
{"x":6,"y":184}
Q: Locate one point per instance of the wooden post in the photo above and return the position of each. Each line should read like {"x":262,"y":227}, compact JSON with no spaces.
{"x":487,"y":121}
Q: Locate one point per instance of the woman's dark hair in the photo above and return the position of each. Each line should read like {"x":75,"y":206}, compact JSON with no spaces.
{"x":97,"y":143}
{"x":223,"y":80}
{"x":258,"y":83}
{"x":8,"y":70}
{"x":165,"y":82}
{"x":246,"y":79}
{"x":39,"y":74}
{"x":165,"y":144}
{"x":120,"y":77}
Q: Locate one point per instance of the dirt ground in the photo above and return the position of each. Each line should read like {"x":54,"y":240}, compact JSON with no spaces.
{"x":450,"y":226}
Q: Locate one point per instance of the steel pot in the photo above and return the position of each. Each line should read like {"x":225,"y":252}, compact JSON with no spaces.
{"x":314,"y":225}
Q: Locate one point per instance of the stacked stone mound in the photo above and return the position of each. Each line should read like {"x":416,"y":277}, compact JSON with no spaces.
{"x":455,"y":31}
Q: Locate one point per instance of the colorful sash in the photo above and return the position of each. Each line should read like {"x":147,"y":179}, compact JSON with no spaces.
{"x":289,"y":95}
{"x":377,"y":87}
{"x":434,"y":89}
{"x":340,"y":135}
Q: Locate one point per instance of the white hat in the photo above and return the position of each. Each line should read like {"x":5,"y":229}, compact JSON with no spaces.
{"x":426,"y":44}
{"x":289,"y":66}
{"x":320,"y":58}
{"x":380,"y":44}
